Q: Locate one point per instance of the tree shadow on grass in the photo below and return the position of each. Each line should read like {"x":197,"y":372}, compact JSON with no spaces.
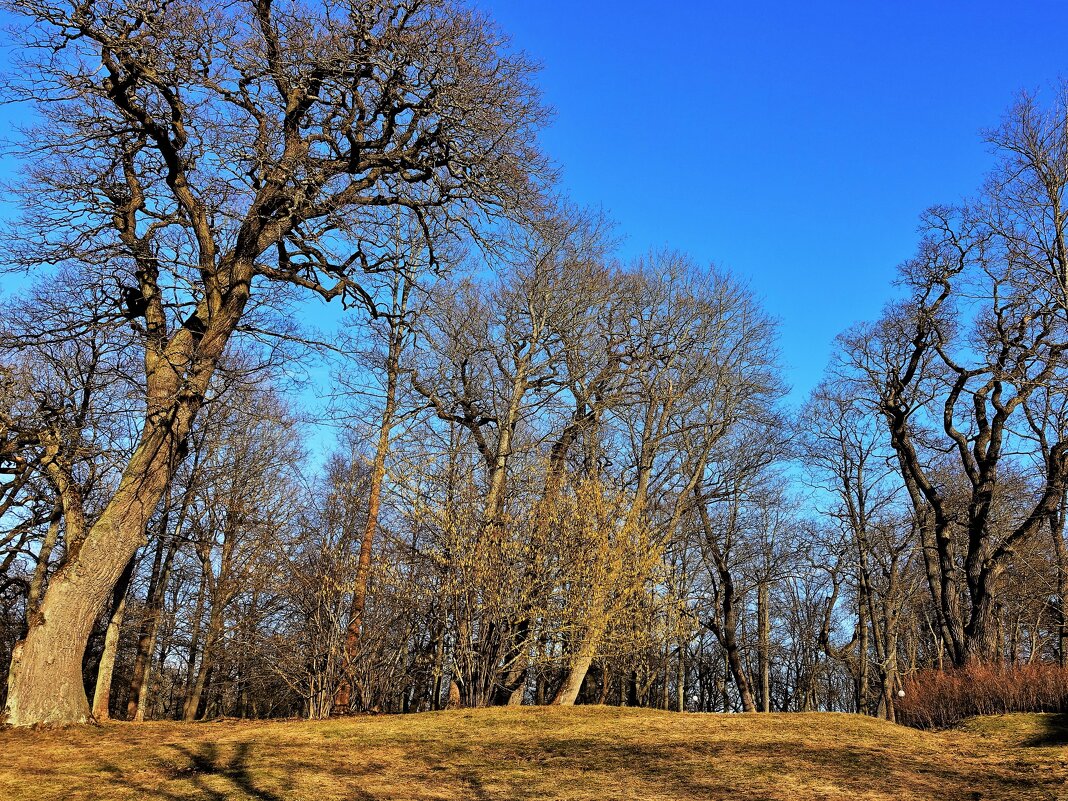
{"x":618,"y":767}
{"x":208,"y":774}
{"x":205,"y":761}
{"x":1054,"y":732}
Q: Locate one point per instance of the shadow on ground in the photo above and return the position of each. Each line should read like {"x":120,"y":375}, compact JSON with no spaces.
{"x":1054,"y":732}
{"x":206,"y":774}
{"x":482,"y":772}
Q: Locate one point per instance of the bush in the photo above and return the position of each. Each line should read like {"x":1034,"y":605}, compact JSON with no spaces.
{"x":936,"y":699}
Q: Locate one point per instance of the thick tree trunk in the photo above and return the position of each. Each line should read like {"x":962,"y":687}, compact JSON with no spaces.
{"x":512,"y":689}
{"x":582,"y":658}
{"x":981,"y":640}
{"x":102,"y":692}
{"x":734,"y":660}
{"x":520,"y":691}
{"x":578,"y":667}
{"x":45,"y":680}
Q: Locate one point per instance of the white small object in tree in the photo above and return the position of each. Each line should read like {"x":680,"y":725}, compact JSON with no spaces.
{"x":900,"y":693}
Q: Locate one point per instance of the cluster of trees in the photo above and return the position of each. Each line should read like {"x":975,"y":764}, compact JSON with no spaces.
{"x":537,"y":475}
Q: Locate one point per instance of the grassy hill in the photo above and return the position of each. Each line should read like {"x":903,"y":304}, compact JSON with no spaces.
{"x":538,"y":753}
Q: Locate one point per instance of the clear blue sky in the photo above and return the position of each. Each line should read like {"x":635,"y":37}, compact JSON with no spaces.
{"x":792,"y":142}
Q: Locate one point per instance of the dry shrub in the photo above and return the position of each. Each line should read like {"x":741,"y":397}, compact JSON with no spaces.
{"x":937,"y":699}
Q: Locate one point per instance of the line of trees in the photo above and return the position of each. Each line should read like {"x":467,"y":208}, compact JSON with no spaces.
{"x":537,"y":475}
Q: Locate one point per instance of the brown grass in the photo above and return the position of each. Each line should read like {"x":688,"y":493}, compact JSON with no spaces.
{"x":541,"y":753}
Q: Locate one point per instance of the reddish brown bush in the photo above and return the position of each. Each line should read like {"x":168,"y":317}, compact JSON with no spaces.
{"x":936,"y":699}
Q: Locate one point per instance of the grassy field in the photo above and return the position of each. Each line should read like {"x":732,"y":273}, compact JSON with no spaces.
{"x":539,"y":753}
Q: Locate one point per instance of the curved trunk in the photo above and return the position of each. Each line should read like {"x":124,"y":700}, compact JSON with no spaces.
{"x":343,"y":693}
{"x":734,"y":660}
{"x":578,"y":668}
{"x":207,"y":662}
{"x":727,"y":631}
{"x":39,"y":573}
{"x":582,"y":658}
{"x":45,"y":678}
{"x":45,"y":681}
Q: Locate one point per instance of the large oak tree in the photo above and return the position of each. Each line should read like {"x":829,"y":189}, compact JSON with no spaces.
{"x":200,"y":154}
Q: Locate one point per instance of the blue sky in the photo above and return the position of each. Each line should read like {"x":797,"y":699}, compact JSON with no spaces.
{"x":794,"y":143}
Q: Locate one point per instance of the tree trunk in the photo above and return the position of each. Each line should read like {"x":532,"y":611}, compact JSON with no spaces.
{"x":207,"y":660}
{"x":680,"y":679}
{"x":343,"y":696}
{"x":582,"y":658}
{"x":194,"y":637}
{"x":41,"y":570}
{"x":454,"y":696}
{"x":862,"y":656}
{"x":764,"y":645}
{"x":102,"y":692}
{"x":726,"y":631}
{"x":981,"y":640}
{"x":1060,"y":548}
{"x":45,"y":680}
{"x":724,"y":684}
{"x":578,"y":667}
{"x":146,"y":636}
{"x":734,"y":660}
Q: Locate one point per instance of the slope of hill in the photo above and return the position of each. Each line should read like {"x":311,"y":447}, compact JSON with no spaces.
{"x":538,"y":753}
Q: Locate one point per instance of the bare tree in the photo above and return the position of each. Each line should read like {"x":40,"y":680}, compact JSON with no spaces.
{"x":964,"y":396}
{"x":208,"y":151}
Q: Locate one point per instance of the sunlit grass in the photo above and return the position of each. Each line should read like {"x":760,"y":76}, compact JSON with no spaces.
{"x":539,"y":753}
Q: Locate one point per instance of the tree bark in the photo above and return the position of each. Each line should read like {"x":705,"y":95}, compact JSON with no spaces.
{"x":207,"y":661}
{"x":398,"y":331}
{"x":764,"y":645}
{"x":582,"y":657}
{"x":33,"y":598}
{"x":45,"y":679}
{"x":1060,"y":548}
{"x":146,"y":636}
{"x":102,"y":692}
{"x":862,"y":655}
{"x":578,"y":667}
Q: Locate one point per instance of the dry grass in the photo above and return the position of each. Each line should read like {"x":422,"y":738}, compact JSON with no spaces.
{"x":532,"y":753}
